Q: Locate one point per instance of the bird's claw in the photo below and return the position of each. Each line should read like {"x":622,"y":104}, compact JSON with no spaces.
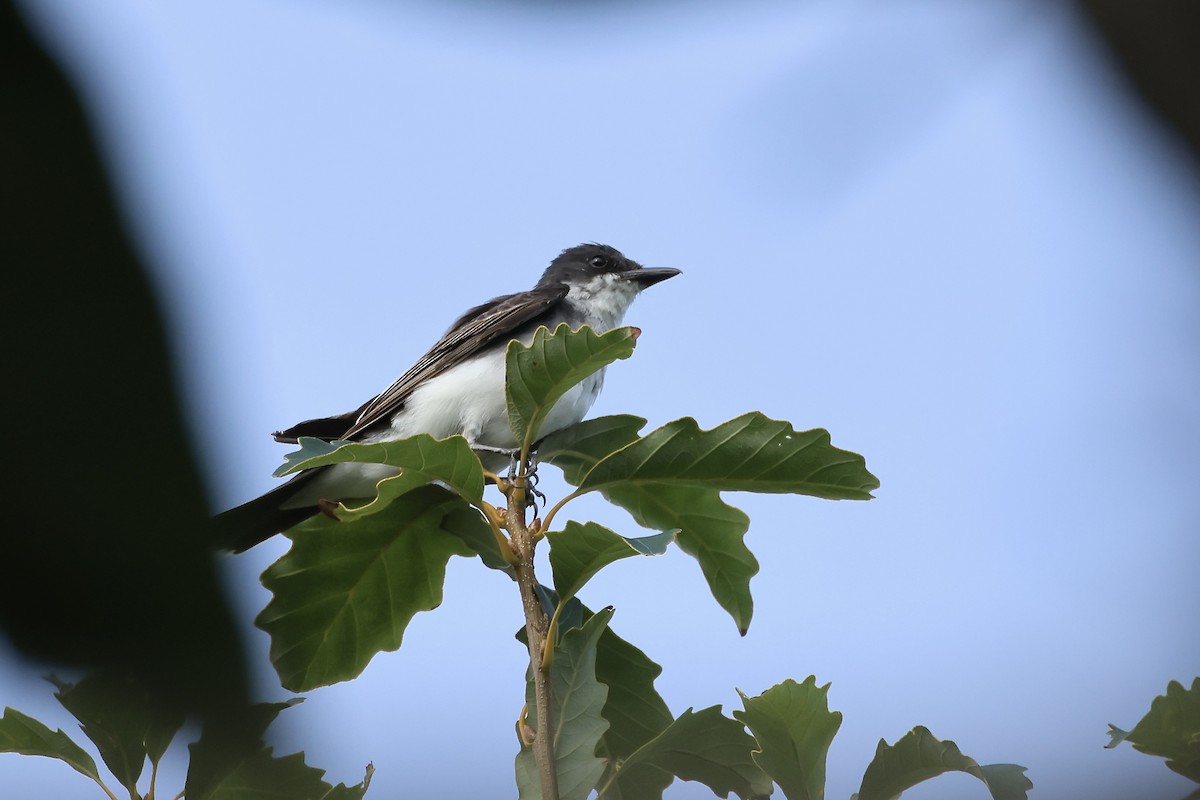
{"x":532,"y":493}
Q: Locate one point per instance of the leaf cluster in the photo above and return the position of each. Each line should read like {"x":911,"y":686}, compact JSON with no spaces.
{"x":129,"y":727}
{"x":354,"y":578}
{"x":617,"y":736}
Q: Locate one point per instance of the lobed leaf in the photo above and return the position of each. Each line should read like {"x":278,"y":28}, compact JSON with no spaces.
{"x":709,"y":530}
{"x":421,"y":459}
{"x":635,"y":711}
{"x":226,"y":743}
{"x":1171,"y":729}
{"x":918,"y":756}
{"x":751,"y":453}
{"x":577,"y":724}
{"x":355,"y":792}
{"x":20,"y":733}
{"x":346,"y":590}
{"x":539,"y":374}
{"x":794,"y":728}
{"x":703,"y":746}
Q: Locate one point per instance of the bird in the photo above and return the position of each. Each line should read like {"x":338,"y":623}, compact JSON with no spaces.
{"x":456,"y":388}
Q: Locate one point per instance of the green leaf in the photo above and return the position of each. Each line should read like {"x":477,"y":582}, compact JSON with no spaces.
{"x":578,"y":448}
{"x":25,"y":735}
{"x":1116,"y":736}
{"x":231,"y":762}
{"x":355,"y":792}
{"x":164,"y":724}
{"x":538,"y":375}
{"x":1007,"y":781}
{"x":580,"y":551}
{"x":635,"y":711}
{"x":710,"y":530}
{"x":421,"y":460}
{"x":794,"y":728}
{"x":919,"y":756}
{"x":1171,"y":729}
{"x":469,"y":525}
{"x":751,"y":453}
{"x":704,"y":746}
{"x":263,"y":776}
{"x":225,"y":743}
{"x":346,"y":590}
{"x":121,"y":718}
{"x":672,"y":479}
{"x":578,"y":724}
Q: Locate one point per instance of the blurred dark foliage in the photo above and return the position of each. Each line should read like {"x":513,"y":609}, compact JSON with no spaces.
{"x":1157,"y":44}
{"x":104,"y":561}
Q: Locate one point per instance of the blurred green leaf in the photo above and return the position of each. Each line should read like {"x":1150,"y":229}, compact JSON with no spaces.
{"x":918,"y":756}
{"x":580,"y":551}
{"x":794,"y":728}
{"x":226,"y":743}
{"x":355,"y":792}
{"x":346,"y":590}
{"x":1116,"y":736}
{"x":121,"y":718}
{"x":232,"y":762}
{"x":539,"y":374}
{"x":25,"y":735}
{"x":1171,"y":730}
{"x":1007,"y":781}
{"x":421,"y":460}
{"x":703,"y":746}
{"x":264,"y":776}
{"x":577,"y":724}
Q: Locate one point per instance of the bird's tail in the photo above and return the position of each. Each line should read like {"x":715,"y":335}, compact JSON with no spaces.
{"x":244,"y":526}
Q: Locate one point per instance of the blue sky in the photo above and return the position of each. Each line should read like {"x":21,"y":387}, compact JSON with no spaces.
{"x":943,"y":231}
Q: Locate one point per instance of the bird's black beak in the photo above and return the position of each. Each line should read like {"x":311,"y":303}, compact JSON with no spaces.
{"x":648,"y":277}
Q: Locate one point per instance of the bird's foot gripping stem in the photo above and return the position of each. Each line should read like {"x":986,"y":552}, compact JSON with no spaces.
{"x":514,"y":469}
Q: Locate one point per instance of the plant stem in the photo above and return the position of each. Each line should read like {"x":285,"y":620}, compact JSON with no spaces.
{"x":536,"y":627}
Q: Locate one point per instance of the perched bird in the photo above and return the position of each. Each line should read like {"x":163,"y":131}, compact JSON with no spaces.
{"x":456,"y":388}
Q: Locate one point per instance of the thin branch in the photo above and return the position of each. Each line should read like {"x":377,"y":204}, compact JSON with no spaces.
{"x":536,"y":629}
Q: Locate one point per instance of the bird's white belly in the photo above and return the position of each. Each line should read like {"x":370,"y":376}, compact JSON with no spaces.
{"x":467,"y":399}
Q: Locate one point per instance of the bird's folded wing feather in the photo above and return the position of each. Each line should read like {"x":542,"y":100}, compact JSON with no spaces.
{"x":496,"y":319}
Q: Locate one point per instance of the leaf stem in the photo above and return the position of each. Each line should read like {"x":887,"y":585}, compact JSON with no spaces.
{"x":107,"y":791}
{"x":536,"y":629}
{"x":495,"y":518}
{"x":554,"y":509}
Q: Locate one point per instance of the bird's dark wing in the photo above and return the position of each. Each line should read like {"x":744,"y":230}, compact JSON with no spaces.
{"x":496,"y":319}
{"x":327,"y":428}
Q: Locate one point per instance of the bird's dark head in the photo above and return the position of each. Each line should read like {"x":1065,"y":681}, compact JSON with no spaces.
{"x":595,"y":265}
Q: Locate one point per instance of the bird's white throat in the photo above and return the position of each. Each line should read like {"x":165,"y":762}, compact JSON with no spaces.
{"x":601,"y":301}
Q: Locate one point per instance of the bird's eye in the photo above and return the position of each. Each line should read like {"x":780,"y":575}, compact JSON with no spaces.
{"x":599,"y":262}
